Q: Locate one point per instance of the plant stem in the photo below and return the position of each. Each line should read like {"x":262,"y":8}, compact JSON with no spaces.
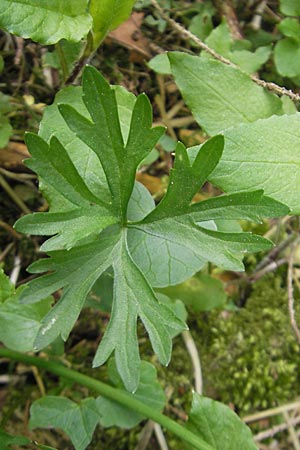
{"x":123,"y":398}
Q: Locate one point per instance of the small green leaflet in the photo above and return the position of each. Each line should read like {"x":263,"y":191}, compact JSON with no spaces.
{"x":19,"y":323}
{"x":79,"y":420}
{"x":6,"y":440}
{"x":149,"y":391}
{"x":46,"y":22}
{"x":92,"y":234}
{"x":218,"y":425}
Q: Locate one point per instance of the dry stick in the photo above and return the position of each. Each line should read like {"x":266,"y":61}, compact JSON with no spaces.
{"x":291,"y":430}
{"x":9,"y":229}
{"x":145,"y":436}
{"x":271,"y":267}
{"x":161,"y":437}
{"x":271,"y":412}
{"x":14,"y":196}
{"x":16,"y":270}
{"x":290,"y":290}
{"x":270,"y":432}
{"x":185,"y":34}
{"x":193,"y":352}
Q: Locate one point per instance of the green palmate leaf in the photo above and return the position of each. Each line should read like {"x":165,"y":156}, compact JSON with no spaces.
{"x":170,"y":245}
{"x":85,"y":161}
{"x":78,"y":421}
{"x":142,"y":244}
{"x":46,"y":22}
{"x":271,"y":163}
{"x":216,"y":93}
{"x":108,"y":15}
{"x":149,"y":391}
{"x":119,"y":161}
{"x":54,"y":163}
{"x":134,"y":297}
{"x":218,"y":425}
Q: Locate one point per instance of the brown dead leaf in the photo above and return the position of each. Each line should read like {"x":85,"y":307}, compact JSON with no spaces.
{"x":12,"y":156}
{"x":130,"y":35}
{"x":156,"y":186}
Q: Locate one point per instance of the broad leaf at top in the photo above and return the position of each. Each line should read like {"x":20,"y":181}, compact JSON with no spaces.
{"x":220,"y":96}
{"x":93,"y":234}
{"x":46,"y":21}
{"x":218,"y":425}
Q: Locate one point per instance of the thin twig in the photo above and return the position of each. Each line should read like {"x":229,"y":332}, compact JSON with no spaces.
{"x":14,"y":196}
{"x":290,"y":290}
{"x":194,"y":354}
{"x":270,"y":432}
{"x":145,"y":436}
{"x":291,"y":429}
{"x":257,"y":18}
{"x":16,"y":270}
{"x":272,"y":255}
{"x":38,"y":380}
{"x":6,"y":251}
{"x":160,"y":437}
{"x":187,"y":35}
{"x":271,"y":412}
{"x":9,"y":229}
{"x":271,"y":267}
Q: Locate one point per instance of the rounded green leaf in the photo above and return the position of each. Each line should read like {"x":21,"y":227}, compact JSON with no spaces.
{"x":46,"y":21}
{"x":287,"y":57}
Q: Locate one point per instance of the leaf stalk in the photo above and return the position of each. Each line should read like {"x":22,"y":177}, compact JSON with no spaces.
{"x":123,"y":398}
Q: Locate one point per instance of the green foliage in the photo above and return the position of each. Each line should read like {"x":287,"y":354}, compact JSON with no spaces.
{"x":173,"y":226}
{"x":5,"y":126}
{"x":108,"y":15}
{"x":19,"y":323}
{"x":287,"y":50}
{"x":200,"y":292}
{"x":250,"y":356}
{"x":216,"y":93}
{"x":258,"y":153}
{"x":77,"y":420}
{"x":149,"y":391}
{"x":219,"y":425}
{"x":46,"y":22}
{"x":6,"y":440}
{"x":221,"y":41}
{"x":290,"y":7}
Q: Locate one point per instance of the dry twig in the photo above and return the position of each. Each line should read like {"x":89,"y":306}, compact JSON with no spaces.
{"x":290,"y":290}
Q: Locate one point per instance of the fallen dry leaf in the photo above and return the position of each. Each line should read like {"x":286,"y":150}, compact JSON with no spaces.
{"x":130,"y":35}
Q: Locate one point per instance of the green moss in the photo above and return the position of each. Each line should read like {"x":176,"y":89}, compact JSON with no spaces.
{"x":251,"y":357}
